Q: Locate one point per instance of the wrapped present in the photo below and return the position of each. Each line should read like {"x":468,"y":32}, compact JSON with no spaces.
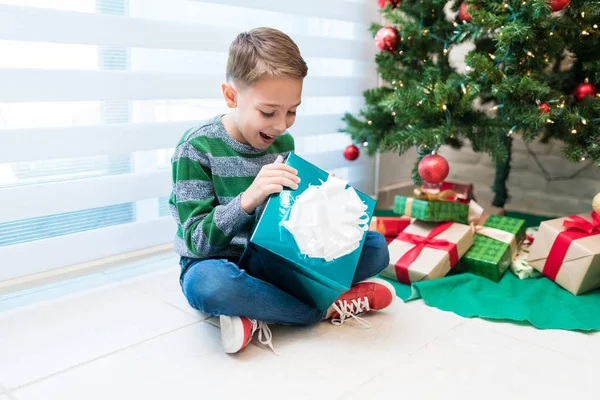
{"x":425,"y":251}
{"x":494,"y":247}
{"x":312,"y":236}
{"x":432,"y":207}
{"x":389,"y":227}
{"x":464,"y":191}
{"x":520,"y":265}
{"x":567,"y":250}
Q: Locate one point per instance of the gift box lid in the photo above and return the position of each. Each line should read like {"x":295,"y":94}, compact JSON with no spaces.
{"x":270,"y":234}
{"x":432,"y":211}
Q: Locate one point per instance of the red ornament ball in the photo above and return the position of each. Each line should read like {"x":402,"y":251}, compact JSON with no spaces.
{"x":463,"y":12}
{"x":558,"y":5}
{"x":387,"y":38}
{"x":544,"y":108}
{"x":394,"y":3}
{"x":351,"y":153}
{"x":583,"y":90}
{"x":434,"y":169}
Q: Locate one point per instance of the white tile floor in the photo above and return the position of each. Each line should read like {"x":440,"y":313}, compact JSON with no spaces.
{"x":128,"y":333}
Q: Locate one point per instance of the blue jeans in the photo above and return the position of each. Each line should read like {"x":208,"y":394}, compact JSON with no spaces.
{"x":220,"y":287}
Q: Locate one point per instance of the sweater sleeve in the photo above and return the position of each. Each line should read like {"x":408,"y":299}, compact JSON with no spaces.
{"x":206,"y":228}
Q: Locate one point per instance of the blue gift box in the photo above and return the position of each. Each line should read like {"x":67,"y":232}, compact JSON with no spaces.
{"x":313,"y":281}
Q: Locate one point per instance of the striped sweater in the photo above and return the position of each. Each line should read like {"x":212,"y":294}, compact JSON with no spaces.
{"x":210,"y":172}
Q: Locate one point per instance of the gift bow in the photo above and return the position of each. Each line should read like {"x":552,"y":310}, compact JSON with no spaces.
{"x":328,"y":221}
{"x":476,"y":220}
{"x":420,"y":242}
{"x":446,"y":195}
{"x":577,"y":228}
{"x":577,"y":223}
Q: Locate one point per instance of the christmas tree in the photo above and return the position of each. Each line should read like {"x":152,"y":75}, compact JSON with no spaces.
{"x":536,"y":62}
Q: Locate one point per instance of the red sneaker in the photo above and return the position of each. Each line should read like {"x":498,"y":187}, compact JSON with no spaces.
{"x":369,"y":295}
{"x":237,"y":332}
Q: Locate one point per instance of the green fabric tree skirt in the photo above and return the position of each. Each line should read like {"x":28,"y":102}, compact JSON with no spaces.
{"x":540,"y":302}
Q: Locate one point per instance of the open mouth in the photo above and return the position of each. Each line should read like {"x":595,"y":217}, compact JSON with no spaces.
{"x":267,"y":137}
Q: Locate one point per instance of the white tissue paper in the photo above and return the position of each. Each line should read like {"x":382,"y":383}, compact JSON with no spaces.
{"x":328,"y":221}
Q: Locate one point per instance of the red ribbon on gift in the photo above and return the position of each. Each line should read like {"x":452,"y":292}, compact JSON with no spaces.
{"x":577,"y":228}
{"x":420,"y":243}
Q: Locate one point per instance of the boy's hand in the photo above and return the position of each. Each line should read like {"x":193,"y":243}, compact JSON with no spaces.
{"x":272,"y":178}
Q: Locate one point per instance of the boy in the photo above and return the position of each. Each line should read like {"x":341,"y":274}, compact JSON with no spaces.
{"x":223,"y":171}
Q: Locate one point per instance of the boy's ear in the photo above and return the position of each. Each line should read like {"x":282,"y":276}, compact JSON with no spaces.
{"x":230,"y":95}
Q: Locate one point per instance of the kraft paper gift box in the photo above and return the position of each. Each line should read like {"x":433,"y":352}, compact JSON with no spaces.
{"x":494,"y":247}
{"x":283,"y":236}
{"x":425,"y":251}
{"x":567,"y":250}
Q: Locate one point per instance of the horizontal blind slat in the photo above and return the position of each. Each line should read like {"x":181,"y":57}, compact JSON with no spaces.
{"x":17,"y":145}
{"x":43,"y":25}
{"x":28,"y":85}
{"x":61,"y":197}
{"x":85,"y":246}
{"x":333,"y":9}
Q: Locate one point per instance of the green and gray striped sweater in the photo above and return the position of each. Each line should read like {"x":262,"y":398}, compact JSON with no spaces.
{"x":210,"y":171}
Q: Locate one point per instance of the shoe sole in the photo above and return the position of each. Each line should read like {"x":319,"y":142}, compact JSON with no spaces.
{"x":232,"y":333}
{"x":384,"y":283}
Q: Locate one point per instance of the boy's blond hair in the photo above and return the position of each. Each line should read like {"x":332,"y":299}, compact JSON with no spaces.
{"x":264,"y":52}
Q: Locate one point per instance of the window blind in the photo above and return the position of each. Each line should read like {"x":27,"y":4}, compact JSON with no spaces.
{"x":96,"y":93}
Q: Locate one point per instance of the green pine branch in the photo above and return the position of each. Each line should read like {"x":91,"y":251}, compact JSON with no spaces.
{"x":524,"y":56}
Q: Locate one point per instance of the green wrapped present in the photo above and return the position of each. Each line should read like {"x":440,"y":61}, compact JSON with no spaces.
{"x":494,"y":247}
{"x":432,"y":211}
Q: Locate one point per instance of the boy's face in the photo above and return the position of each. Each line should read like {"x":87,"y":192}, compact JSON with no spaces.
{"x":264,"y":110}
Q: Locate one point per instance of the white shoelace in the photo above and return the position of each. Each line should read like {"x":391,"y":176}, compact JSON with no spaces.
{"x":351,"y":309}
{"x":265,"y":337}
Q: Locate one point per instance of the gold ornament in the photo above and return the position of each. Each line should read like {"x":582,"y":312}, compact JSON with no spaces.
{"x":596,"y":203}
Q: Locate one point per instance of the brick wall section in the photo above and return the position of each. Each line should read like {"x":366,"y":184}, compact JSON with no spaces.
{"x":529,"y":191}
